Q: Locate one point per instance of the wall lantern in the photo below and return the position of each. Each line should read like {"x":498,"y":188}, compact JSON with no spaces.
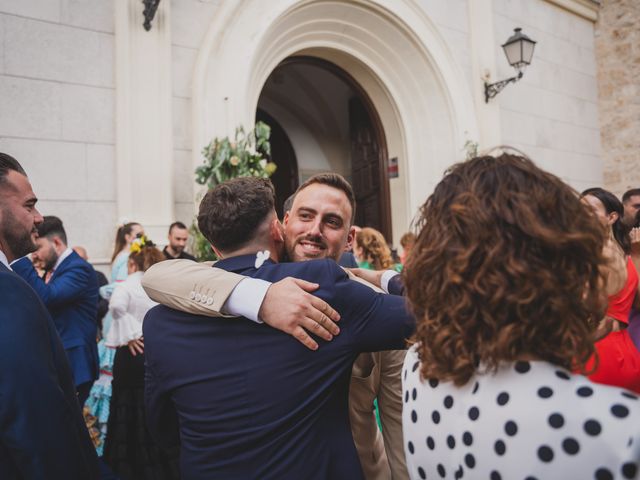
{"x":519,"y":51}
{"x":150,"y":8}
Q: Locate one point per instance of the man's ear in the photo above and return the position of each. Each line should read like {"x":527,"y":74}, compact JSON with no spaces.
{"x":351,"y":236}
{"x":277,"y":232}
{"x":217,"y":252}
{"x":285,"y":219}
{"x":58,"y":244}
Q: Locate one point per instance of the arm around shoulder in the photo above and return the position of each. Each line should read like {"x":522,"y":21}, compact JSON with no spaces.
{"x":189,"y":286}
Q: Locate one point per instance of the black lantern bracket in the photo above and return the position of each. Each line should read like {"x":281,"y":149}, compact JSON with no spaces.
{"x":493,"y":89}
{"x":519,"y":52}
{"x":150,"y":9}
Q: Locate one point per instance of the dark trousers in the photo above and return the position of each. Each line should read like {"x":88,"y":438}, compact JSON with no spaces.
{"x":83,"y":392}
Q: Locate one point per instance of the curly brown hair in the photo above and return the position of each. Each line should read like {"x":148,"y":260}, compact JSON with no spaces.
{"x":147,"y":256}
{"x":374,"y":248}
{"x":507,"y":266}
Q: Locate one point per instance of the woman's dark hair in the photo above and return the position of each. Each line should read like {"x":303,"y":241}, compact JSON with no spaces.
{"x":612,"y":204}
{"x":507,"y":265}
{"x":121,"y":241}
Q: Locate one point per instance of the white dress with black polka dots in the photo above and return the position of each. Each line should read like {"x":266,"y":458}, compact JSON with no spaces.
{"x":531,"y":420}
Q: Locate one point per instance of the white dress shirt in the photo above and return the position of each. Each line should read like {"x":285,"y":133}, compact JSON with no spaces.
{"x":128,"y":305}
{"x":63,"y":256}
{"x":4,"y":260}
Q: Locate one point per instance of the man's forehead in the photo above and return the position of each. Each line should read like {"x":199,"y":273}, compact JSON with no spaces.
{"x":320,"y":197}
{"x":634,"y":199}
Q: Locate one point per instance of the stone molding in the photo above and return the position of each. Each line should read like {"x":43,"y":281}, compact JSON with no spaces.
{"x":587,"y":9}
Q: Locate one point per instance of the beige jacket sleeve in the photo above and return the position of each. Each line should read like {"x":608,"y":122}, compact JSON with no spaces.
{"x":189,"y":286}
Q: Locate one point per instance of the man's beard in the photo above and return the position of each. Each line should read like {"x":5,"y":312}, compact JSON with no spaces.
{"x":20,"y":242}
{"x":51,"y":260}
{"x":290,"y":249}
{"x":178,"y":249}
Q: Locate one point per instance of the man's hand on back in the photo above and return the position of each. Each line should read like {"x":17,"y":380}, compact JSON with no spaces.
{"x":288,"y":306}
{"x":374,"y":277}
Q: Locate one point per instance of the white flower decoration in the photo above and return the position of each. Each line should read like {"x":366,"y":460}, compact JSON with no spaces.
{"x":261,"y":257}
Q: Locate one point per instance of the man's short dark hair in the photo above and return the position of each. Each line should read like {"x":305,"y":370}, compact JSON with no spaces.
{"x":334,"y":180}
{"x":178,"y":225}
{"x":288,"y":203}
{"x":8,"y":163}
{"x":630,"y":193}
{"x":52,"y":227}
{"x":231,"y":213}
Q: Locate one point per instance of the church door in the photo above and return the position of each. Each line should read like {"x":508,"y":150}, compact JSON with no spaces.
{"x":368,"y":170}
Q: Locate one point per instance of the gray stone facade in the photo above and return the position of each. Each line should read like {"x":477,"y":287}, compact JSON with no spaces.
{"x":618,"y":56}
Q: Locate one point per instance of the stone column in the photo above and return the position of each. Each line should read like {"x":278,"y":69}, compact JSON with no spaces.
{"x":144,"y":142}
{"x":483,"y":65}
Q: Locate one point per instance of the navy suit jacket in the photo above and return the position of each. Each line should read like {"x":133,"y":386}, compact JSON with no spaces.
{"x":71,"y":296}
{"x":396,"y":285}
{"x":250,"y":401}
{"x":42,"y":432}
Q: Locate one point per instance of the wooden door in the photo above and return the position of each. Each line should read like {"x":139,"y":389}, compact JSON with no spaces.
{"x":368,"y":170}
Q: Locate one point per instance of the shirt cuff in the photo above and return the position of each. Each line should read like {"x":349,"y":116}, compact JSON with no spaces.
{"x":386,"y":277}
{"x":246,"y":299}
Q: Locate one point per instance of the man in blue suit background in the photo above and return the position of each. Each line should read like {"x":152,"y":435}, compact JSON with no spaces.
{"x":248,"y":400}
{"x":42,"y":432}
{"x":70,"y":292}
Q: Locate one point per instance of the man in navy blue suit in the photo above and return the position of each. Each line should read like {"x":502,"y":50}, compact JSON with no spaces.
{"x":250,"y":401}
{"x":70,"y":292}
{"x":42,"y":432}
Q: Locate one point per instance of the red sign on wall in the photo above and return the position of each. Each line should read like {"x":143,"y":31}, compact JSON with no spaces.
{"x":392,"y":169}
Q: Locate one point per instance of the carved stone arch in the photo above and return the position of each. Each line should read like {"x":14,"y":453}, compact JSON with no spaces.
{"x":390,"y":47}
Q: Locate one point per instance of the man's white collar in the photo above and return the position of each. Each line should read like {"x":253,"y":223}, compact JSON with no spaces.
{"x":4,"y":260}
{"x":62,"y":257}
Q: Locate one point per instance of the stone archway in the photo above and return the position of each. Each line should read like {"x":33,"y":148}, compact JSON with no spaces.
{"x":390,"y":47}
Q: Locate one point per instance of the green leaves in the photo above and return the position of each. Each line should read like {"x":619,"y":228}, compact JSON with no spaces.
{"x":246,"y":156}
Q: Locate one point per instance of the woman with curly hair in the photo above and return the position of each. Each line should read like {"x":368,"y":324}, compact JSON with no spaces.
{"x":618,"y":360}
{"x":505,"y":282}
{"x":372,"y":252}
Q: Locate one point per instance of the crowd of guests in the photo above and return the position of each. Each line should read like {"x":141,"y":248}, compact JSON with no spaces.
{"x":501,"y":343}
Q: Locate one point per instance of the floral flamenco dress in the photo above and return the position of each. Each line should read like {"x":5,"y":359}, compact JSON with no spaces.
{"x":100,"y":395}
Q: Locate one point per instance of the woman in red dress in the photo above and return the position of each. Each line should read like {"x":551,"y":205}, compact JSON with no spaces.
{"x":618,"y":358}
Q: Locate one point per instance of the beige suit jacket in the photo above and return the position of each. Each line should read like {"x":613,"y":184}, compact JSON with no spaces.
{"x":197,"y":288}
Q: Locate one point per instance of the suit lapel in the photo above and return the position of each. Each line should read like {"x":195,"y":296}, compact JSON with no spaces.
{"x":66,"y":263}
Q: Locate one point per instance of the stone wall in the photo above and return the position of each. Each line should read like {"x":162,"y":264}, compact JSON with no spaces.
{"x":552,"y":113}
{"x":190,"y":20}
{"x":57,"y":93}
{"x":618,"y":57}
{"x":57,"y":89}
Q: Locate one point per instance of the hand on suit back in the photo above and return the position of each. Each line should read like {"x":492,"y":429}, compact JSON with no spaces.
{"x":288,"y":306}
{"x":374,"y":277}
